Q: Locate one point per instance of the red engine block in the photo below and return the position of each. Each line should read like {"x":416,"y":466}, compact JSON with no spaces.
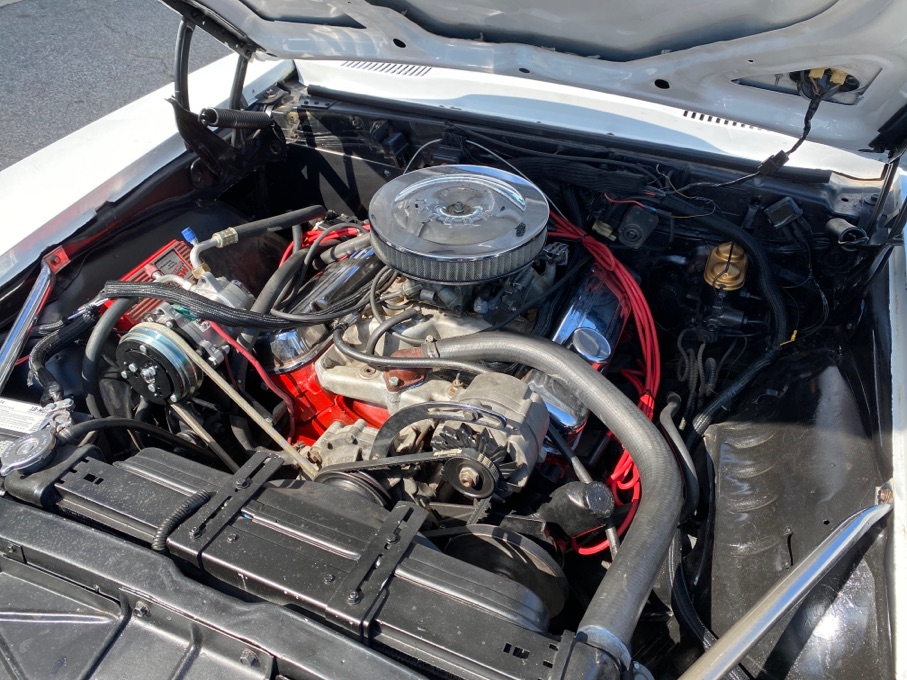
{"x":317,"y":409}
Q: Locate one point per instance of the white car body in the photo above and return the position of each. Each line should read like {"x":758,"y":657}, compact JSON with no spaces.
{"x":106,"y":160}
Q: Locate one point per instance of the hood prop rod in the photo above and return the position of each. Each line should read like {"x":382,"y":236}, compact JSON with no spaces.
{"x":731,"y":647}
{"x":181,"y":63}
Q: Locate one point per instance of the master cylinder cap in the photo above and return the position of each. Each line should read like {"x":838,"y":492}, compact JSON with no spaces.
{"x":726,"y":267}
{"x":458,"y":224}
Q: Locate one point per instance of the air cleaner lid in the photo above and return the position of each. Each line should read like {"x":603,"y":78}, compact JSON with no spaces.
{"x":458,"y":223}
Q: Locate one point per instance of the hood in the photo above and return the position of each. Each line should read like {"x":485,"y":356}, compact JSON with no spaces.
{"x":735,"y":59}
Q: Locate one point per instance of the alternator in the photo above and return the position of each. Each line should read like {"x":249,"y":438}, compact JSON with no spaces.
{"x":513,"y":444}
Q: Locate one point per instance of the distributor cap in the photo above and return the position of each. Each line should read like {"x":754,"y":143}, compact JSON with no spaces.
{"x":458,"y":224}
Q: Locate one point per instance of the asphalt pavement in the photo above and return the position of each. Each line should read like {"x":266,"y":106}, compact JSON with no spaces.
{"x":66,"y":63}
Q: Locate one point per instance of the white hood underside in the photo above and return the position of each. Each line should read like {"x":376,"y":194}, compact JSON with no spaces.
{"x":729,"y":58}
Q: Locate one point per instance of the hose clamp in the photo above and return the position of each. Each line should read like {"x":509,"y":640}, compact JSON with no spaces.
{"x":608,"y":642}
{"x":225,"y":237}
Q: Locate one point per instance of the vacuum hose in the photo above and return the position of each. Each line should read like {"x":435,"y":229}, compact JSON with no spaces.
{"x":771,"y":291}
{"x":186,"y":509}
{"x":74,"y":433}
{"x":724,"y":399}
{"x":611,"y":617}
{"x":685,"y":611}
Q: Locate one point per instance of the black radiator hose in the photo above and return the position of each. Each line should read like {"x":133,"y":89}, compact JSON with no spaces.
{"x":91,"y":362}
{"x":74,"y":433}
{"x":612,"y":615}
{"x":685,"y":460}
{"x":51,"y":344}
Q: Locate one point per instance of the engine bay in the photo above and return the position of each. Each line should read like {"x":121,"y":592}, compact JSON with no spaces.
{"x":408,"y":373}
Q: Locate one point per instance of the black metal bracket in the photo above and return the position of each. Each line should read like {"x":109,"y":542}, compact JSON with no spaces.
{"x":218,"y":155}
{"x":356,"y":600}
{"x":193,"y":536}
{"x":220,"y":161}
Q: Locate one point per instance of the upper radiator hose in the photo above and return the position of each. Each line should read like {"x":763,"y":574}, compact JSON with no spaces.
{"x":611,"y":617}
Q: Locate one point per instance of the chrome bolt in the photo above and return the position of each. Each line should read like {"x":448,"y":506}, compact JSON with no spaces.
{"x":141,"y":610}
{"x":143,"y":349}
{"x":394,"y":381}
{"x":132,"y":368}
{"x":173,"y":398}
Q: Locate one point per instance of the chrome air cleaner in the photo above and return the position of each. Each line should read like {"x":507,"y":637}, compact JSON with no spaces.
{"x":458,"y":224}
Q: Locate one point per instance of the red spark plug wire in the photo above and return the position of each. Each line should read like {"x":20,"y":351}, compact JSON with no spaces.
{"x":624,"y":479}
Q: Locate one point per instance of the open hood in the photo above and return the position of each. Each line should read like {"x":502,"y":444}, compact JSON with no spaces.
{"x":730,"y":58}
